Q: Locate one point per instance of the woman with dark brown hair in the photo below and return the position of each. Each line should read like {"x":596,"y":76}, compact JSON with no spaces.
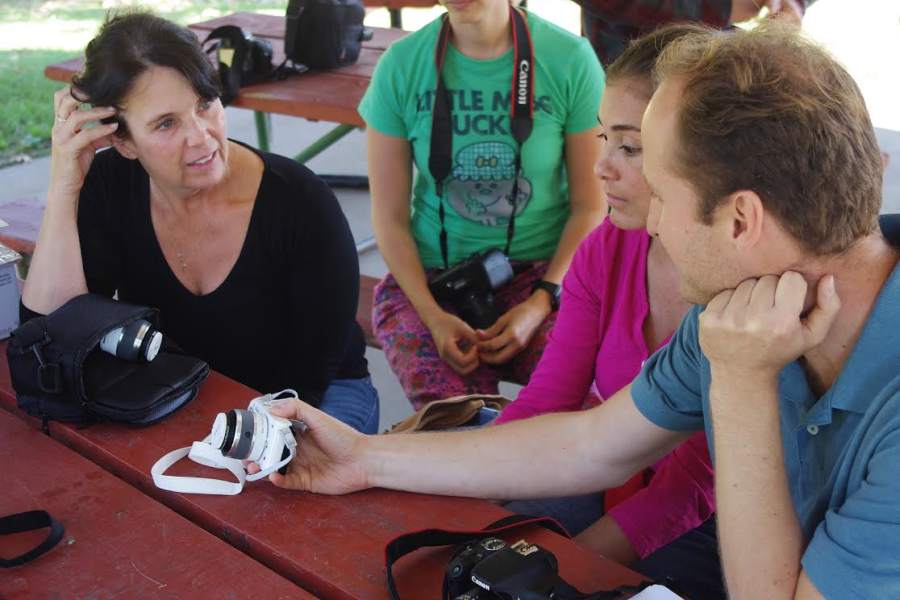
{"x":246,"y":254}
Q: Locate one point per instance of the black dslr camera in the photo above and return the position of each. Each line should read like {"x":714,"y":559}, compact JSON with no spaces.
{"x":470,"y":285}
{"x":498,"y":570}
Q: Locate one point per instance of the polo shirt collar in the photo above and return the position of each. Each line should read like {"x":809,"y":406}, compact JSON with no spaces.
{"x":877,"y":345}
{"x":854,"y":389}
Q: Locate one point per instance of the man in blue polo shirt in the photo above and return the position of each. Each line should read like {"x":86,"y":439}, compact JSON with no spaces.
{"x":767,"y":187}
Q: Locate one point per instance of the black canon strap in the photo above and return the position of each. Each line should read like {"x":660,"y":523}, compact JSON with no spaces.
{"x":440,"y":160}
{"x":29,"y":521}
{"x":410,"y":542}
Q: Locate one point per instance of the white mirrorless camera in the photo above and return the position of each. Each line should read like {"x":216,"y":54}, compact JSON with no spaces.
{"x":253,"y":435}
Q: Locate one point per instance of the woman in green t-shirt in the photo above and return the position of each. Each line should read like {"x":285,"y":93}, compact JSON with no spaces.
{"x":541,"y":180}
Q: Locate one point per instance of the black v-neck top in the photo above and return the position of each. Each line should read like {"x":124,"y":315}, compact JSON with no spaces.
{"x":284,"y":317}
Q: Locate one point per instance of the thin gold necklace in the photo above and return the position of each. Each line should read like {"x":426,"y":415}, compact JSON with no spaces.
{"x":183,"y":256}
{"x":198,"y":239}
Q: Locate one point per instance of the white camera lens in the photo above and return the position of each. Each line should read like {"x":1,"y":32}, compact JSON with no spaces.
{"x":135,"y":342}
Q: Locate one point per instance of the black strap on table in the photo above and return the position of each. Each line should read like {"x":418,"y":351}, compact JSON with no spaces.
{"x":410,"y":542}
{"x":29,"y":521}
{"x":440,"y":159}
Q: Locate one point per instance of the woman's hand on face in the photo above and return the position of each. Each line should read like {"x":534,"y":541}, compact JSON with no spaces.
{"x":328,"y":457}
{"x":513,"y":330}
{"x":456,"y":342}
{"x":73,"y":144}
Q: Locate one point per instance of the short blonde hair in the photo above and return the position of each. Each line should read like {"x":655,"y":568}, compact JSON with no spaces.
{"x":771,"y":111}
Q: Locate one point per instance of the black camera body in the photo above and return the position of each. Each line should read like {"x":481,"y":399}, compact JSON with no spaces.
{"x":325,"y":34}
{"x":499,"y":570}
{"x":470,"y":285}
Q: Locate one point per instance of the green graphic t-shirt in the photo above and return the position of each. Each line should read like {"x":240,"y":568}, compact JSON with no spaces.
{"x":568,"y":82}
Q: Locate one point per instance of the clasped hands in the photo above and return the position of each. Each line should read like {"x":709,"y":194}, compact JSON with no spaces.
{"x":465,"y":348}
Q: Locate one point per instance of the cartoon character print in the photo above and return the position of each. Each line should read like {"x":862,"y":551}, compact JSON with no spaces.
{"x":481,"y":183}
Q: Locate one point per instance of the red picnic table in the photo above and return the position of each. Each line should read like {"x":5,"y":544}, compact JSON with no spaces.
{"x":333,"y":546}
{"x":117,"y":540}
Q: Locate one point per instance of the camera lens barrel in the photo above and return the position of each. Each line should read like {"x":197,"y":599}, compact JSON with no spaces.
{"x":243,"y":434}
{"x":135,"y":342}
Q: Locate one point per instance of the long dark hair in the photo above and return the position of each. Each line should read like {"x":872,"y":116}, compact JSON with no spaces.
{"x":129,"y":43}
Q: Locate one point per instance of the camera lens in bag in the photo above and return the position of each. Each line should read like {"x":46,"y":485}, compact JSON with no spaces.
{"x":138,"y":341}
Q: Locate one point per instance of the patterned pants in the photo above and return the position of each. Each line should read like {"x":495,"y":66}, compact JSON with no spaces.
{"x":414,"y":358}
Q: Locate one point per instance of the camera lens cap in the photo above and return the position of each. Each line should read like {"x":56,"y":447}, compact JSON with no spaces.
{"x":153,"y":346}
{"x":219,"y":429}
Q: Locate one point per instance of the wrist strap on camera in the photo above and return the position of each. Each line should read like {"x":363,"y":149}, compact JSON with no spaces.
{"x":29,"y":521}
{"x":440,"y":158}
{"x":202,"y":453}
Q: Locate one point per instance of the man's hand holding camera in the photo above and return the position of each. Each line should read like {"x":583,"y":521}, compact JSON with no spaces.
{"x":74,"y":143}
{"x":327,"y":460}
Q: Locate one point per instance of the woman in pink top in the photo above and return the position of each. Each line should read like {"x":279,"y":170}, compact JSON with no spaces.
{"x":620,"y":303}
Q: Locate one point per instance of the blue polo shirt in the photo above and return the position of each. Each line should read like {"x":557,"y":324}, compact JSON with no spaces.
{"x":841,"y":450}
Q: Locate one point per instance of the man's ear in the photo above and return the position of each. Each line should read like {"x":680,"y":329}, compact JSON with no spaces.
{"x":747,"y":217}
{"x":124,"y":146}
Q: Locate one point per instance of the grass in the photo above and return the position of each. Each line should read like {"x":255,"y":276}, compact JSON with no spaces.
{"x":36,"y":33}
{"x":26,"y":102}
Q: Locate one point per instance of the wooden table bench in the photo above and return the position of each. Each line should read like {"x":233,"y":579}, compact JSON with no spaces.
{"x":117,"y":540}
{"x":331,"y":546}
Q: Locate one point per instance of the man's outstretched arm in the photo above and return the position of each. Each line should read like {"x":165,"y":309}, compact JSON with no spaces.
{"x":551,"y":455}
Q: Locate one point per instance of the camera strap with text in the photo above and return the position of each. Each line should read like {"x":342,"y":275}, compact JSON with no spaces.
{"x":30,"y":521}
{"x":440,"y":159}
{"x":426,"y":538}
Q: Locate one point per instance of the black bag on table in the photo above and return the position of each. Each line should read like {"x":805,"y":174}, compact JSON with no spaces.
{"x":60,"y":373}
{"x":325,"y":34}
{"x":242,"y":59}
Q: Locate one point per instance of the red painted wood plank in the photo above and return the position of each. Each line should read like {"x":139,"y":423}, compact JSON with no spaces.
{"x":117,"y":540}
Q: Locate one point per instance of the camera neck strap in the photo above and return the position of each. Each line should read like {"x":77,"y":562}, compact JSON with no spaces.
{"x":561,"y":590}
{"x":29,"y":521}
{"x":440,"y":159}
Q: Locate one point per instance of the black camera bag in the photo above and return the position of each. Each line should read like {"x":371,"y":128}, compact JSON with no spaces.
{"x":325,"y":34}
{"x":249,"y":59}
{"x":60,"y":373}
